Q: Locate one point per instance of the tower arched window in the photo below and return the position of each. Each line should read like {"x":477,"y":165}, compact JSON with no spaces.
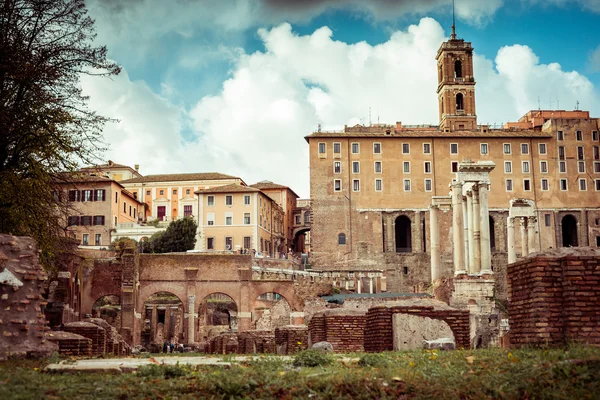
{"x":457,"y":69}
{"x":459,"y":102}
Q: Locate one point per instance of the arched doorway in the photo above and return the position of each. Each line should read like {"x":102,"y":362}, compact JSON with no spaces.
{"x":569,"y":231}
{"x":271,"y":310}
{"x":492,"y":234}
{"x":457,"y":69}
{"x":403,"y":234}
{"x":217,"y":313}
{"x":109,"y":309}
{"x":459,"y":102}
{"x":163,"y":320}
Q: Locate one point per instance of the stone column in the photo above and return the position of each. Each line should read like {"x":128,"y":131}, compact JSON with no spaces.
{"x":458,"y":236}
{"x":524,"y":250}
{"x":510,"y":239}
{"x":153,"y":322}
{"x":191,"y":336}
{"x":486,"y":252}
{"x":371,"y":285}
{"x":417,"y":236}
{"x":470,"y":259}
{"x":390,"y":234}
{"x":434,"y":239}
{"x":476,"y":230}
{"x":167,"y":326}
{"x":531,"y":234}
{"x":467,"y":249}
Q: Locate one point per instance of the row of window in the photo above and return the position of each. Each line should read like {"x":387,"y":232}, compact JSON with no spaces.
{"x":85,"y":239}
{"x":483,"y":149}
{"x":86,"y":220}
{"x":578,"y":136}
{"x":545,"y":184}
{"x":210,"y":200}
{"x":87,"y":195}
{"x":247,"y":243}
{"x":407,"y":185}
{"x":210,"y":220}
{"x":508,"y":168}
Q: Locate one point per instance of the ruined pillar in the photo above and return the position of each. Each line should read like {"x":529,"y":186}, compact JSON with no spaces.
{"x":153,"y":322}
{"x":191,"y":336}
{"x":466,"y":216}
{"x":417,"y":237}
{"x":524,"y":250}
{"x":476,"y":231}
{"x":531,"y":234}
{"x":389,"y":234}
{"x":434,"y":239}
{"x":458,"y":229}
{"x":486,"y":252}
{"x":510,"y":239}
{"x":371,"y":285}
{"x":470,"y":230}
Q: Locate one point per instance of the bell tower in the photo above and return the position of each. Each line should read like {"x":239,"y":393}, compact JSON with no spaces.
{"x":456,"y":85}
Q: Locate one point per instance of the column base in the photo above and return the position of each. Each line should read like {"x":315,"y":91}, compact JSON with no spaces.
{"x":460,"y":272}
{"x":486,"y":272}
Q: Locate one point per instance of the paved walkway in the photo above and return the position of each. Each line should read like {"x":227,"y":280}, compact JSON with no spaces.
{"x":132,"y":363}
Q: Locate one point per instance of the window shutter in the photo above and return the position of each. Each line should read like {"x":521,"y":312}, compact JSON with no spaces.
{"x":103,"y":195}
{"x":95,"y":196}
{"x":80,"y":196}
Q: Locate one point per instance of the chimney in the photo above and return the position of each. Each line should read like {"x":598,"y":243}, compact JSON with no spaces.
{"x":137,"y":167}
{"x":110,"y":162}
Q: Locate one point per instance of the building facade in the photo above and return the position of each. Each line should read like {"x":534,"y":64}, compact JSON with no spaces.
{"x":97,"y":205}
{"x":239,"y":218}
{"x":372,"y":186}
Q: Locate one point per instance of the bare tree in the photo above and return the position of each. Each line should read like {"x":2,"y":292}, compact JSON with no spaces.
{"x":46,"y":127}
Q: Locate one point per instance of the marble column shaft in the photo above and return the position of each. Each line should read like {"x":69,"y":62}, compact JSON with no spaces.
{"x":191,"y":319}
{"x":476,"y":231}
{"x":434,"y":239}
{"x":531,"y":234}
{"x":486,"y":252}
{"x":510,"y":239}
{"x":465,"y":217}
{"x":524,"y":250}
{"x":470,"y":229}
{"x":458,"y":229}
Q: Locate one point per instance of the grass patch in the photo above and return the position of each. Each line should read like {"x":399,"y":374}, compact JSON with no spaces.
{"x":312,"y":358}
{"x":572,"y":373}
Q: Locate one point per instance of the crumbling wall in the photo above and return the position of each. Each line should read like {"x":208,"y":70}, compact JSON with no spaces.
{"x":291,"y":339}
{"x":22,"y":279}
{"x":379,"y":332}
{"x":343,"y":328}
{"x":555,"y":297}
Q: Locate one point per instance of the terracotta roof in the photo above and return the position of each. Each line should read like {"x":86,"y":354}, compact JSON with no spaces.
{"x":233,"y":188}
{"x":432,"y":134}
{"x":76,"y":177}
{"x":202,"y":176}
{"x":266,"y":185}
{"x":109,"y":165}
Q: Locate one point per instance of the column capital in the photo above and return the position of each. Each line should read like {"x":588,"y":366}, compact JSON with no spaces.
{"x":510,"y":222}
{"x":522,"y":221}
{"x":192,"y":298}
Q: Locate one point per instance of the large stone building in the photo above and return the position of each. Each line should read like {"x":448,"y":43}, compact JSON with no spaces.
{"x":372,"y":186}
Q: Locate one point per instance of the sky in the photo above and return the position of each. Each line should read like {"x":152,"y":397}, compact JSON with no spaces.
{"x":234,"y":86}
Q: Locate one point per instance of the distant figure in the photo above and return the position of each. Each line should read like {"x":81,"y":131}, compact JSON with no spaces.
{"x":172,"y":347}
{"x":165,"y":347}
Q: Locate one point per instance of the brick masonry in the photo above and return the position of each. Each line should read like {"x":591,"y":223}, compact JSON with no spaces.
{"x":22,"y":282}
{"x":291,"y":339}
{"x":91,"y":331}
{"x":70,"y":344}
{"x":555,"y":298}
{"x":379,"y":330}
{"x":343,"y":329}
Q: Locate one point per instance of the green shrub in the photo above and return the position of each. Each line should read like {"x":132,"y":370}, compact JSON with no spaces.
{"x":161,"y":371}
{"x":312,"y":358}
{"x":373,"y":360}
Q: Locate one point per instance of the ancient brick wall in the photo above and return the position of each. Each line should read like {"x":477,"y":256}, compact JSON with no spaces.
{"x":22,"y":282}
{"x":555,"y":298}
{"x":291,"y":339}
{"x":70,"y":344}
{"x":253,"y":342}
{"x":344,"y":329}
{"x":379,"y":331}
{"x":91,"y":331}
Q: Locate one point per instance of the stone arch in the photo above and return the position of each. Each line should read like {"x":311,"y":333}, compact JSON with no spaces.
{"x":217,"y":312}
{"x":283,"y":288}
{"x":569,"y":231}
{"x":460,"y":102}
{"x":403,"y":234}
{"x":270,"y":310}
{"x":458,"y":69}
{"x":162,"y":319}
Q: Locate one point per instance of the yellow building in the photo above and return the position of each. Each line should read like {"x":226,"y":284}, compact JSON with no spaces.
{"x":97,"y":205}
{"x":372,"y":186}
{"x":171,"y":196}
{"x":112,"y":170}
{"x":236,"y":217}
{"x":286,"y":198}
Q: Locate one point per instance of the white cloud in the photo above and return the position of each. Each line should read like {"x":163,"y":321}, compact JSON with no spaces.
{"x":254,"y":126}
{"x":591,"y":5}
{"x":594,"y":59}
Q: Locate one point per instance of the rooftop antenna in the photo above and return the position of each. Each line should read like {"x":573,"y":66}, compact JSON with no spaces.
{"x":539,"y":106}
{"x":577,"y":105}
{"x":319,"y":128}
{"x":453,"y":36}
{"x":370,"y":116}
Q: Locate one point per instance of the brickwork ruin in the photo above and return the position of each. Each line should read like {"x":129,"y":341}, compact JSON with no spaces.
{"x":555,"y":298}
{"x":22,"y":283}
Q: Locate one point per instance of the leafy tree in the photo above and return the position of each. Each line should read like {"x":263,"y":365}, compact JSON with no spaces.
{"x":179,"y":236}
{"x":46,"y":127}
